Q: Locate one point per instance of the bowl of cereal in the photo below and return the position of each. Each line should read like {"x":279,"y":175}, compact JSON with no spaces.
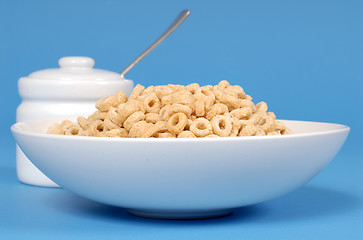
{"x":180,"y":152}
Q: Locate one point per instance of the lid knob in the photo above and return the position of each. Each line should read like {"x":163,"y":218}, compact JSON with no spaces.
{"x":76,"y":62}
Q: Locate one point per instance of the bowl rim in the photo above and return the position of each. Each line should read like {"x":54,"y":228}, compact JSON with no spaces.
{"x":17,"y":128}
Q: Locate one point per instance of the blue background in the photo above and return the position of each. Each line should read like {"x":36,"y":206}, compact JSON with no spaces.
{"x":304,"y":58}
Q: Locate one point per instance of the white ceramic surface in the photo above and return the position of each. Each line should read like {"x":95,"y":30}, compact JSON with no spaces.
{"x":72,"y":89}
{"x":182,"y":178}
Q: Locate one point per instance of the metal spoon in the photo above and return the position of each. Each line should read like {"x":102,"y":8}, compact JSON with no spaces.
{"x":181,"y":17}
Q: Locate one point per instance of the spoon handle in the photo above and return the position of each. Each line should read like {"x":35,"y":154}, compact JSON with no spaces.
{"x":181,"y":17}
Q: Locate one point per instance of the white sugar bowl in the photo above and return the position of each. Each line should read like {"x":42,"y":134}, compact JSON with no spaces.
{"x":71,"y":90}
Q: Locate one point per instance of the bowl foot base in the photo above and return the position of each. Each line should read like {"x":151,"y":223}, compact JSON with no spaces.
{"x":180,"y":214}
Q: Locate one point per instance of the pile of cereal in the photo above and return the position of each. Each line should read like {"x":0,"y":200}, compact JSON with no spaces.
{"x":172,"y":111}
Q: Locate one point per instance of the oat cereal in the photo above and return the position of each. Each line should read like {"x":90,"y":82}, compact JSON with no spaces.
{"x":176,"y":111}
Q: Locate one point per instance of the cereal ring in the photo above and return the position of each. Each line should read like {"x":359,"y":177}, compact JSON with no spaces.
{"x":231,"y":101}
{"x":123,"y":133}
{"x":161,"y":126}
{"x":174,"y":108}
{"x":87,"y":132}
{"x":246,"y":103}
{"x":227,"y":114}
{"x":162,"y":91}
{"x":279,"y":126}
{"x":248,"y":130}
{"x":218,"y":94}
{"x":209,"y":103}
{"x":201,"y":127}
{"x":260,"y":132}
{"x":120,"y":97}
{"x":113,"y":133}
{"x":114,"y":117}
{"x":223,"y":84}
{"x":91,"y":117}
{"x":141,"y":106}
{"x":105,"y":103}
{"x":189,"y":123}
{"x":236,"y":91}
{"x":200,"y":108}
{"x":142,"y":129}
{"x":164,"y":111}
{"x":125,"y":110}
{"x":97,"y":115}
{"x":137,"y":129}
{"x":65,"y":124}
{"x":120,"y":107}
{"x":258,"y":118}
{"x":207,"y":87}
{"x":192,"y":87}
{"x":186,"y":134}
{"x":152,"y":103}
{"x":152,"y":117}
{"x":167,"y":99}
{"x":217,"y":109}
{"x":206,"y":91}
{"x":247,"y":122}
{"x":251,"y":130}
{"x":248,"y":97}
{"x":83,"y":122}
{"x":236,"y":126}
{"x":109,"y":124}
{"x":269,"y":125}
{"x":133,"y":118}
{"x":55,"y":129}
{"x":221,"y":125}
{"x":97,"y":128}
{"x":225,"y":98}
{"x":271,"y":115}
{"x":164,"y":135}
{"x":169,"y":110}
{"x":176,"y":123}
{"x":176,"y":87}
{"x":261,"y":107}
{"x":183,"y":97}
{"x":73,"y":129}
{"x":242,"y":113}
{"x":198,"y":96}
{"x":137,"y":91}
{"x":148,"y":90}
{"x":141,"y":98}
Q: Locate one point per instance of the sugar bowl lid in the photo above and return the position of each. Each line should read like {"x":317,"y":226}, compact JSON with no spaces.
{"x":76,"y":68}
{"x":75,"y":79}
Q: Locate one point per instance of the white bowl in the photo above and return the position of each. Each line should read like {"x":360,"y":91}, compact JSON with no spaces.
{"x":182,"y":178}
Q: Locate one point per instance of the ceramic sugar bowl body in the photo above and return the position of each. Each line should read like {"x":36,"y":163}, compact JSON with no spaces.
{"x":71,"y":90}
